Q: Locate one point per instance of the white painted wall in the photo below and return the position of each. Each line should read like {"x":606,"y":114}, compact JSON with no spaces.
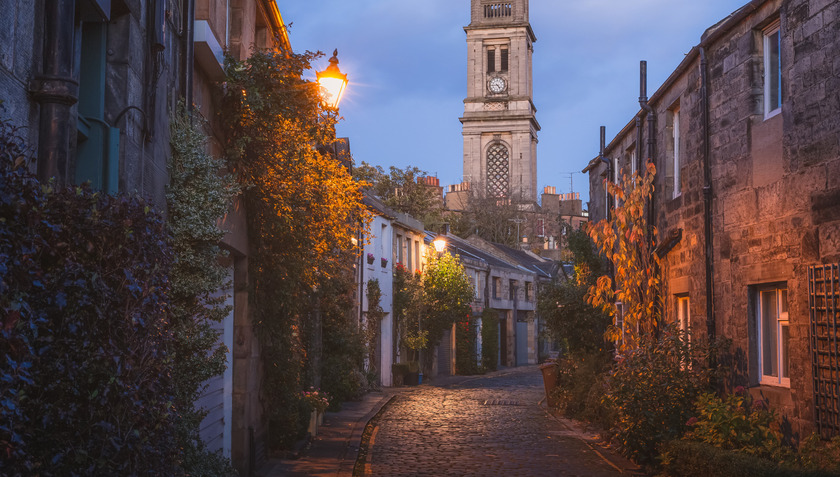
{"x":381,"y":246}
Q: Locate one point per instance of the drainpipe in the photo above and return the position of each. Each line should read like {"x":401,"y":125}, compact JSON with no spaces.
{"x":609,"y":165}
{"x":56,"y":91}
{"x":188,"y":41}
{"x":707,"y":196}
{"x":640,"y":159}
{"x":651,"y":140}
{"x":651,"y":150}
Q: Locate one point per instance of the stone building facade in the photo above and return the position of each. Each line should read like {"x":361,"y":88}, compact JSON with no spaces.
{"x":499,"y":123}
{"x":94,"y":83}
{"x":744,"y":136}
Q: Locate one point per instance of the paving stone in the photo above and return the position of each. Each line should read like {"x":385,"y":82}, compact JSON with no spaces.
{"x":484,"y":426}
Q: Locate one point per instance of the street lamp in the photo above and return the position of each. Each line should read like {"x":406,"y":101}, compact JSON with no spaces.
{"x":440,"y":244}
{"x":332,"y":82}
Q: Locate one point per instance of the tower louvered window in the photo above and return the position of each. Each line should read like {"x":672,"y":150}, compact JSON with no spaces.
{"x":498,"y":160}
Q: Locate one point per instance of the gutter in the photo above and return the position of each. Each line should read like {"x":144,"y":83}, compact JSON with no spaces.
{"x":710,"y":36}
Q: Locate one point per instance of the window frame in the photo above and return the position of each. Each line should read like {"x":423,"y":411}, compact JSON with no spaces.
{"x":491,"y":59}
{"x":683,"y":315}
{"x":766,"y":38}
{"x":782,"y":349}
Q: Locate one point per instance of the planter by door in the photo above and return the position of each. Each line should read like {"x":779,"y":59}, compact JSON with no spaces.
{"x":316,"y":419}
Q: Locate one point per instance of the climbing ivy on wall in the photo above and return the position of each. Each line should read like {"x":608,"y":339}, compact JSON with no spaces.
{"x":304,"y":209}
{"x":198,"y":197}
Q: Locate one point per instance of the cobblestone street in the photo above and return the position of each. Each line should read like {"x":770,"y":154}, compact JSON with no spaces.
{"x":488,"y":425}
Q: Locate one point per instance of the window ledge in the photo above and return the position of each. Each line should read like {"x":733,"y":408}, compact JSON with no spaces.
{"x":208,"y":52}
{"x":784,"y":384}
{"x":773,"y":113}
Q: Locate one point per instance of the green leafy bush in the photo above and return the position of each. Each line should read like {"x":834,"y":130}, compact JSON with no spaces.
{"x":343,"y":344}
{"x":816,"y":454}
{"x":737,"y":422}
{"x":466,"y":356}
{"x":690,"y":458}
{"x":447,"y":294}
{"x":86,"y":382}
{"x":569,"y":319}
{"x":489,"y":339}
{"x":581,"y":387}
{"x":653,"y":390}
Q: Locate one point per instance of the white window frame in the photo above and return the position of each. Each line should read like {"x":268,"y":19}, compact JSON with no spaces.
{"x":676,"y":137}
{"x":683,"y":312}
{"x":778,"y":294}
{"x":618,"y":321}
{"x":616,"y":171}
{"x":771,"y":70}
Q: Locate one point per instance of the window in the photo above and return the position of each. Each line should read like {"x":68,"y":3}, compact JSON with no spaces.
{"x":405,"y":252}
{"x":616,"y":170}
{"x":497,"y":288}
{"x":398,"y":253}
{"x":529,"y":291}
{"x":616,"y":178}
{"x":98,"y":144}
{"x":512,"y":289}
{"x":675,"y":137}
{"x":382,"y":245}
{"x":773,"y":335}
{"x":417,"y":255}
{"x":491,"y":60}
{"x":619,"y":321}
{"x":772,"y":71}
{"x":683,"y":313}
{"x":497,"y":170}
{"x":504,"y":59}
{"x":497,"y":10}
{"x":631,"y":157}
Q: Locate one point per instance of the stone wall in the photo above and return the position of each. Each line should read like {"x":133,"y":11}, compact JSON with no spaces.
{"x":775,"y":183}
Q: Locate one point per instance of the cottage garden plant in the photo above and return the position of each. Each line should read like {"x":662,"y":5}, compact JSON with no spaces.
{"x":316,"y":399}
{"x":659,"y":399}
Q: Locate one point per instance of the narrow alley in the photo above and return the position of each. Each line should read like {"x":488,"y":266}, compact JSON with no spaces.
{"x":486,"y":425}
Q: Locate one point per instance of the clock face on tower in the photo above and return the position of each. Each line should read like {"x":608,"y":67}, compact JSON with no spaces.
{"x":497,"y":85}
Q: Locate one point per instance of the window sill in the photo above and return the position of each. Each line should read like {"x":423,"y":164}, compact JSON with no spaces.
{"x":772,"y":114}
{"x":775,"y":383}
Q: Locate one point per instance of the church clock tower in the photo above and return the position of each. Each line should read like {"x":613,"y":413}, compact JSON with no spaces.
{"x":499,"y":126}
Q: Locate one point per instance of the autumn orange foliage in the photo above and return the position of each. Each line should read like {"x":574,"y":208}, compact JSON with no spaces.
{"x":628,"y":243}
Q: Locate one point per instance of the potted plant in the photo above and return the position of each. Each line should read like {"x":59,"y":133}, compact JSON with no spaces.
{"x":415,"y":341}
{"x":399,"y":371}
{"x":318,"y":401}
{"x":370,"y":258}
{"x":384,"y":262}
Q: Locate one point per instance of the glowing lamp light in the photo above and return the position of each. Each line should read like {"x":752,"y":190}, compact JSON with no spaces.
{"x":440,"y":244}
{"x":333,"y":82}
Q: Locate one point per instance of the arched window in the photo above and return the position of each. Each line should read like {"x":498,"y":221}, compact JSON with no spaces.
{"x":498,"y":181}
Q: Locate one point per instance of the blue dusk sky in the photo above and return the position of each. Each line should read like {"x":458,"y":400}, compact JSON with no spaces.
{"x":406,"y":63}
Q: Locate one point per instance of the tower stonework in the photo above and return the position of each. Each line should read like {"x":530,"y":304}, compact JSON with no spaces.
{"x":499,"y":124}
